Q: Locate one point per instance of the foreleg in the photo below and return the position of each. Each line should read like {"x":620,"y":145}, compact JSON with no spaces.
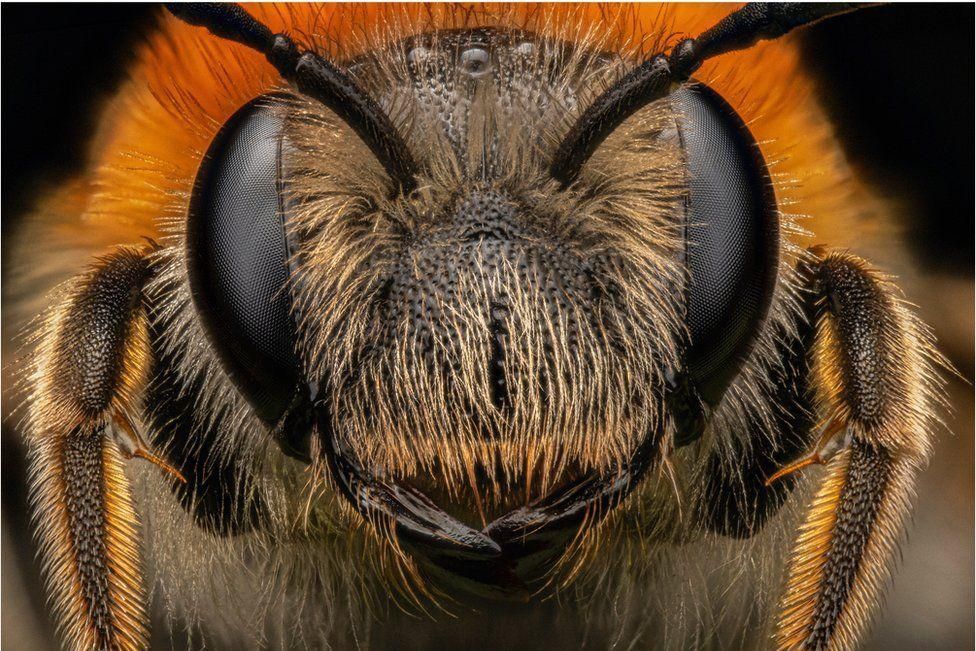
{"x":874,"y":368}
{"x":90,"y":364}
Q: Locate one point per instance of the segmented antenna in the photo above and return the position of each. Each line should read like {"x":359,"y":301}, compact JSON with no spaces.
{"x":654,"y":78}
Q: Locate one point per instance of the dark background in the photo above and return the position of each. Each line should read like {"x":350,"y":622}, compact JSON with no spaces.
{"x":898,"y":82}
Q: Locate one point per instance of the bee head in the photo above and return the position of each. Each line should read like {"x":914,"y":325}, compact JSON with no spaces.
{"x":486,"y":309}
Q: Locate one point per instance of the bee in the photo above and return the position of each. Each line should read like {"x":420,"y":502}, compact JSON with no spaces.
{"x":470,"y":308}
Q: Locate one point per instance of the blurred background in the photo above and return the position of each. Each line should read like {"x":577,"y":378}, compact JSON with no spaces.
{"x":898,"y":82}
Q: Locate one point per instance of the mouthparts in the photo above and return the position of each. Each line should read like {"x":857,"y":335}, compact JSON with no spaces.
{"x":509,"y":557}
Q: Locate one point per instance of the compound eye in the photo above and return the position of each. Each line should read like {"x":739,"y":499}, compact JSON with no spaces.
{"x":731,"y":235}
{"x":237,"y":257}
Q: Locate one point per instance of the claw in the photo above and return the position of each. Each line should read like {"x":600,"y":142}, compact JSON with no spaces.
{"x":828,"y":444}
{"x":132,"y":444}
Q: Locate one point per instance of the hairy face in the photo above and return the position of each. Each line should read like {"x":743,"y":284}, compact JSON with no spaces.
{"x":487,"y":337}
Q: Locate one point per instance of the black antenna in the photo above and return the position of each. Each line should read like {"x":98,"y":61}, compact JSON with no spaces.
{"x":315,"y":77}
{"x":654,"y":78}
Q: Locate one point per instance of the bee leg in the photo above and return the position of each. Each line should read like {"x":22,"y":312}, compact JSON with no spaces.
{"x":873,"y":366}
{"x":735,"y":500}
{"x":89,"y":367}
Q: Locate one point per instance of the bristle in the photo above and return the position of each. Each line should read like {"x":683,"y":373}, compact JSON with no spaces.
{"x":809,"y":556}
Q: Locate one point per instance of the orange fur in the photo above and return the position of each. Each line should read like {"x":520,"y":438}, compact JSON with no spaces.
{"x":185,"y":83}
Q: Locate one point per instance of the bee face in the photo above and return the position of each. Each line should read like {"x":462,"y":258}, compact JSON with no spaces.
{"x":488,"y":309}
{"x":490,"y":338}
